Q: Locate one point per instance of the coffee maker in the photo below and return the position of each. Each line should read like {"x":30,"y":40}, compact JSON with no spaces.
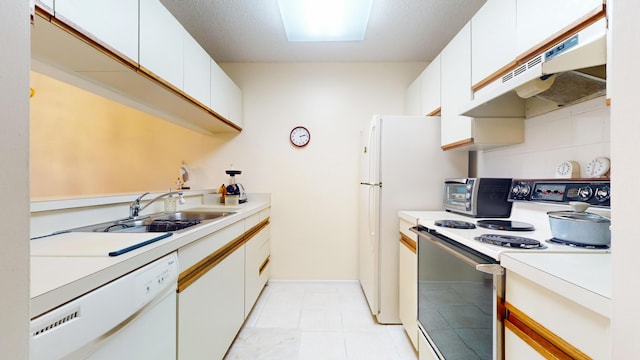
{"x":234,"y":188}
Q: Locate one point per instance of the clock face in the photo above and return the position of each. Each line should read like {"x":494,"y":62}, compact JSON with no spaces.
{"x":568,"y":169}
{"x":300,"y":136}
{"x":598,"y":167}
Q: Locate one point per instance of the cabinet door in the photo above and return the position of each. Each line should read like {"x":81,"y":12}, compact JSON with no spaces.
{"x":46,"y":5}
{"x":257,"y":267}
{"x":456,"y":88}
{"x":408,"y":289}
{"x":516,"y":348}
{"x":493,"y":38}
{"x":430,"y":89}
{"x":412,"y":98}
{"x":538,"y":20}
{"x":112,"y":23}
{"x":161,"y":43}
{"x":219,"y":95}
{"x":211,"y":310}
{"x":235,"y":103}
{"x":197,"y":68}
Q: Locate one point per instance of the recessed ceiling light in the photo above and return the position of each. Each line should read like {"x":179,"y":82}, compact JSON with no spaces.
{"x":325,"y":20}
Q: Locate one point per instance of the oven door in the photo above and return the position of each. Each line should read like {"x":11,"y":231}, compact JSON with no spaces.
{"x":459,"y":290}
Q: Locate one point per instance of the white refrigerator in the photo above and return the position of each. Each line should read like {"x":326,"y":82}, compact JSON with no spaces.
{"x":401,"y":168}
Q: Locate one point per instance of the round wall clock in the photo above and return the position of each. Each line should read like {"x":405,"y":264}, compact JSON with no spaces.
{"x":300,"y":136}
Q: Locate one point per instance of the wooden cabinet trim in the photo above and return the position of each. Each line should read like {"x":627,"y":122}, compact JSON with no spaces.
{"x":587,"y":20}
{"x":199,"y":269}
{"x":458,"y":144}
{"x":435,"y":112}
{"x":69,"y":29}
{"x":408,"y":242}
{"x":264,"y":265}
{"x":545,"y":342}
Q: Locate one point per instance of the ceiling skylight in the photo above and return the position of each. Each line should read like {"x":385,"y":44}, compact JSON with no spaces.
{"x":325,"y":20}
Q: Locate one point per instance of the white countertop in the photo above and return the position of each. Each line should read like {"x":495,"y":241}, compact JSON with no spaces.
{"x":582,"y":278}
{"x":56,"y":280}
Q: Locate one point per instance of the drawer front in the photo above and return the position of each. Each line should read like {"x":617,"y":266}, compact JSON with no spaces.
{"x":199,"y":249}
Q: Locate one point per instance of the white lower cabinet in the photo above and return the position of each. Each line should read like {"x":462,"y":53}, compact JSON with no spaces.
{"x":257,"y":267}
{"x":425,"y":352}
{"x":541,"y":322}
{"x":211,"y":311}
{"x":408,"y":282}
{"x":221,"y":277}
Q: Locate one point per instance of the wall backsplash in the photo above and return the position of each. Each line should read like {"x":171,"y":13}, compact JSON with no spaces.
{"x":84,"y":144}
{"x":580,"y":133}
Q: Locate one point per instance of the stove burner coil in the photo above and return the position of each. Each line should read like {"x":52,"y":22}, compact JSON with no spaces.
{"x":510,"y":241}
{"x":576,"y":244}
{"x":455,"y":224}
{"x":505,"y":225}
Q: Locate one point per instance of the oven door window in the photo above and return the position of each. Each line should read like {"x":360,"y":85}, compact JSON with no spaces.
{"x":455,"y":301}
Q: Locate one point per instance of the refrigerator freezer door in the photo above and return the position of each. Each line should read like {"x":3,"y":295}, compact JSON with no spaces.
{"x":369,"y":244}
{"x":370,"y":152}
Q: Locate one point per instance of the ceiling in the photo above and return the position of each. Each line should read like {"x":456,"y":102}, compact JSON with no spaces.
{"x":252,"y":31}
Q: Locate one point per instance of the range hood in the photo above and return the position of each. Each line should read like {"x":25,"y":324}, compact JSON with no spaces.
{"x":566,"y":73}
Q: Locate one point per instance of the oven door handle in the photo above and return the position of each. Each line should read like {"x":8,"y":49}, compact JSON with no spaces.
{"x":442,"y":246}
{"x":493,"y":269}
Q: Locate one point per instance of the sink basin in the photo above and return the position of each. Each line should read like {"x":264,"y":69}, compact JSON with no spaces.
{"x":159,"y":222}
{"x":194,"y":215}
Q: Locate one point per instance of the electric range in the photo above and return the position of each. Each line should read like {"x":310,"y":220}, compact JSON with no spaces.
{"x":460,"y":279}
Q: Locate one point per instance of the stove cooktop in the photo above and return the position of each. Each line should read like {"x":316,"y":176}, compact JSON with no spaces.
{"x":541,"y":233}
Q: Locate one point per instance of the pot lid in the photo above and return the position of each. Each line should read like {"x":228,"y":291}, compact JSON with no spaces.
{"x":579,"y":216}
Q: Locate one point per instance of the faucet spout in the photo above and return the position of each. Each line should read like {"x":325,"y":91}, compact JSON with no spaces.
{"x":135,"y":208}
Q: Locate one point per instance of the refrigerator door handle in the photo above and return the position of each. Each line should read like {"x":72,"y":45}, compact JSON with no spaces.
{"x":371,"y":213}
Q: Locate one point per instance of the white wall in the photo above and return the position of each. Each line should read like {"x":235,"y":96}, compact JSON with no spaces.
{"x":314,"y":189}
{"x":579,"y":133}
{"x":14,"y":177}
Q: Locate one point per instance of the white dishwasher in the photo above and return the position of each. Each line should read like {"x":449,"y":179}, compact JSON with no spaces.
{"x":132,"y":317}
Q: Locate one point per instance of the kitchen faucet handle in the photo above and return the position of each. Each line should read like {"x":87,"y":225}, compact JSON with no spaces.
{"x":134,"y":207}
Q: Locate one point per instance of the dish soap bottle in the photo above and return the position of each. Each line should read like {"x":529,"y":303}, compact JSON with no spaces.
{"x":223,"y":192}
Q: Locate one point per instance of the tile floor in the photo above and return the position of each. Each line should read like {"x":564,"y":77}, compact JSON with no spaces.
{"x":317,"y":320}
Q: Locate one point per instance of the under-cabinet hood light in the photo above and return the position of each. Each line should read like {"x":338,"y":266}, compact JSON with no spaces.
{"x":325,"y":20}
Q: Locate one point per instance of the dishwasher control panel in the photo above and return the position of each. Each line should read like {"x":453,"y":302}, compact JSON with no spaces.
{"x":155,"y":278}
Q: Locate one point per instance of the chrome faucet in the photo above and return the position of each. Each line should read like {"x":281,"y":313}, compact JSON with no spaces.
{"x":135,"y":208}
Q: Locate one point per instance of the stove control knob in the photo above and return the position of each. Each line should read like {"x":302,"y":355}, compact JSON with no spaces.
{"x":525,"y":190}
{"x":585,"y":193}
{"x":603,"y":194}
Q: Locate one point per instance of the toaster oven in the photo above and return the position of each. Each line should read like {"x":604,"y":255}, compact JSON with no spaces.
{"x":478,"y":197}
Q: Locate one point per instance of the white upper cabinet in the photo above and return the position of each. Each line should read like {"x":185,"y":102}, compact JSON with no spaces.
{"x":539,"y":20}
{"x":430,"y":89}
{"x":236,"y":113}
{"x":456,"y":88}
{"x":226,"y":96}
{"x":219,"y":94}
{"x":412,"y":98}
{"x":111,"y":23}
{"x":493,"y":38}
{"x":197,"y":68}
{"x":46,"y":5}
{"x":161,"y":43}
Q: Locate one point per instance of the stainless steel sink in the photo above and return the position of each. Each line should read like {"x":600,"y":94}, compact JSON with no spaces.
{"x":159,"y":222}
{"x":194,"y":215}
